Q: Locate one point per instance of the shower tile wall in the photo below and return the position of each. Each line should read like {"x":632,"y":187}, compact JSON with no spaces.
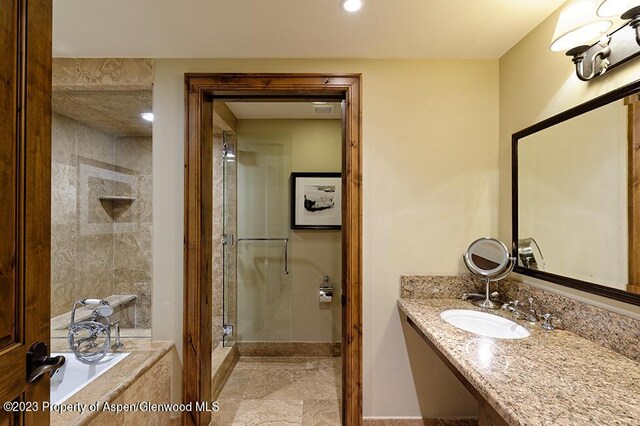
{"x":218,"y":258}
{"x":133,"y":246}
{"x":99,"y":248}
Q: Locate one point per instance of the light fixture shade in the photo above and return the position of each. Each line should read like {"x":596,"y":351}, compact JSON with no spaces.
{"x":578,"y":24}
{"x":610,"y":8}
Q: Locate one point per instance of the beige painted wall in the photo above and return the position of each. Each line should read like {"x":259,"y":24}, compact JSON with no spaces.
{"x":535,"y":84}
{"x":430,"y":187}
{"x":572,"y":195}
{"x":273,"y":306}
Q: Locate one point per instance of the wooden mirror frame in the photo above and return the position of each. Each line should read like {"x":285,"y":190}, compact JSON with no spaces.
{"x":633,"y":188}
{"x":200,"y":92}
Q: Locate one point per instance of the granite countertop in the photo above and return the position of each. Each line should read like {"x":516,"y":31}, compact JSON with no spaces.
{"x":143,"y":354}
{"x":549,"y":378}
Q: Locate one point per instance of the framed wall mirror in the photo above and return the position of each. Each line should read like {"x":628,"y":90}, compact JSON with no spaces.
{"x":576,"y":197}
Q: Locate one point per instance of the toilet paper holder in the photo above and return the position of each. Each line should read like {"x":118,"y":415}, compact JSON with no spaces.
{"x":326,"y":290}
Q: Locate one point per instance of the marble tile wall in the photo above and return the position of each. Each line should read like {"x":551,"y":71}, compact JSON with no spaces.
{"x":81,"y":229}
{"x":99,"y":248}
{"x":218,"y":251}
{"x":103,"y":73}
{"x":133,"y":243}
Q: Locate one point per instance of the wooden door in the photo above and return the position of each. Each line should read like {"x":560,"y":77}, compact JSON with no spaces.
{"x":25,"y":188}
{"x":633,"y":133}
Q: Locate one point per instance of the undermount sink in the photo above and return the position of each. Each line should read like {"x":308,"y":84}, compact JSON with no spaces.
{"x":484,"y":324}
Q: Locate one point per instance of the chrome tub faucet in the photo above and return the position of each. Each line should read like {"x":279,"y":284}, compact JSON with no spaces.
{"x":83,"y":335}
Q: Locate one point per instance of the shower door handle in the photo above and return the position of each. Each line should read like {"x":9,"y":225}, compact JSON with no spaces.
{"x":39,"y":363}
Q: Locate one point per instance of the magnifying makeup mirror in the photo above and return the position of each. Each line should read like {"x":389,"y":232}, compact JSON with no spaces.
{"x":489,"y":259}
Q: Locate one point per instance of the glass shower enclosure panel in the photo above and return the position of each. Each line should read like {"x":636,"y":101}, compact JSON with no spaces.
{"x":265,"y":283}
{"x":229,"y":239}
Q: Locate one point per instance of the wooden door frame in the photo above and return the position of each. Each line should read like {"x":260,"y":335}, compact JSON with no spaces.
{"x":633,"y":190}
{"x":200,"y":91}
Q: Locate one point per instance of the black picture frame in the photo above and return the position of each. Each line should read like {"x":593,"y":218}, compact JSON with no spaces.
{"x":589,"y":287}
{"x":297,"y":204}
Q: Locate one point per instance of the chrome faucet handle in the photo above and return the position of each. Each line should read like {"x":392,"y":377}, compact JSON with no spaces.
{"x":534,"y":315}
{"x":116,"y":327}
{"x":547,"y":324}
{"x":511,"y":305}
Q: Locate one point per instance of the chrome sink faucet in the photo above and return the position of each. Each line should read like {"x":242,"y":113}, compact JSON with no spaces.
{"x":516,"y":308}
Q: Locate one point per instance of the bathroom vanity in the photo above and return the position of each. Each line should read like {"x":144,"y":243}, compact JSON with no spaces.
{"x":549,"y":378}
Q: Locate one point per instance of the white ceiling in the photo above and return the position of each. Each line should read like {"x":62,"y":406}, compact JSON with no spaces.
{"x":293,"y":28}
{"x":283,"y":110}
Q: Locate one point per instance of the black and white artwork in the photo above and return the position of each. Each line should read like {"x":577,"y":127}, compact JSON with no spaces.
{"x":316,"y":200}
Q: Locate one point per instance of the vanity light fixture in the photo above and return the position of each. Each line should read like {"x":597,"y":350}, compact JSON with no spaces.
{"x":352,"y":5}
{"x":628,"y":10}
{"x":148,"y":116}
{"x":581,"y":23}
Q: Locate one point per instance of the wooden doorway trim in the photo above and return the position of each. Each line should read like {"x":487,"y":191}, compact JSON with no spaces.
{"x":633,"y":185}
{"x":200,"y":91}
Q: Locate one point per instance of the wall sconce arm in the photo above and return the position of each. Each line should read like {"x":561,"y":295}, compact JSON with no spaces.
{"x":598,"y":61}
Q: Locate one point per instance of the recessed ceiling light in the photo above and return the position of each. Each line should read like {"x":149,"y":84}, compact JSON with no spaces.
{"x":147,"y":116}
{"x":351,"y":5}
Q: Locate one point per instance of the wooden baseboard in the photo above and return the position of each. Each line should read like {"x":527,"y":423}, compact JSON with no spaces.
{"x":408,"y":421}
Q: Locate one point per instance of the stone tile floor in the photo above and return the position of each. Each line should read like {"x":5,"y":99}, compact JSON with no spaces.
{"x":281,"y":391}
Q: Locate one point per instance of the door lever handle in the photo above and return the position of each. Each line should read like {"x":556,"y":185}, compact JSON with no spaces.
{"x":39,"y":363}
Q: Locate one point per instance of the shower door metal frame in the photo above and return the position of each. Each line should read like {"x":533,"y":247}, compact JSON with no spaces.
{"x":200,"y":92}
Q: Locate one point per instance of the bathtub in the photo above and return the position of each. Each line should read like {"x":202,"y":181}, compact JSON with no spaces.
{"x":75,"y":374}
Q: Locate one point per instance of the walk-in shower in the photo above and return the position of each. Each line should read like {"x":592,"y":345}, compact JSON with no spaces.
{"x":274,"y":279}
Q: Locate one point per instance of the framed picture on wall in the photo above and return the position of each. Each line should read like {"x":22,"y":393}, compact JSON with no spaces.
{"x":316,"y":200}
